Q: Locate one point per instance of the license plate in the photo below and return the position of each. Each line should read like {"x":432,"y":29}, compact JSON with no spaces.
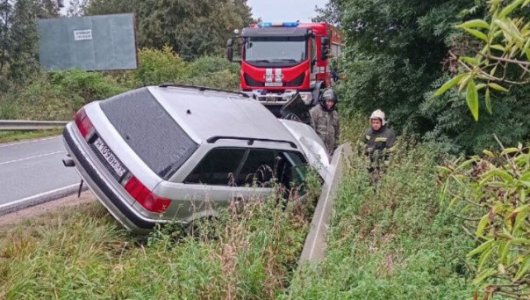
{"x":273,"y":84}
{"x":111,"y":159}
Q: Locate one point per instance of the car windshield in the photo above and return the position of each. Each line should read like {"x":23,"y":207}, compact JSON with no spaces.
{"x":275,"y":52}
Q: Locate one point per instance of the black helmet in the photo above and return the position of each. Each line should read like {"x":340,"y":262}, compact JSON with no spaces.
{"x":329,"y":94}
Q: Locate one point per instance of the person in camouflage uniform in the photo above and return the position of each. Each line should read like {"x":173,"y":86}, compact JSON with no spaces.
{"x":377,"y":144}
{"x":325,"y":120}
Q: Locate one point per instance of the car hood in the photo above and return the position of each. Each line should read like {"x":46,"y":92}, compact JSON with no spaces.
{"x":312,"y":146}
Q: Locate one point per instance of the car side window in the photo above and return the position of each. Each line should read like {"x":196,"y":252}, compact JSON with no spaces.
{"x":264,"y":167}
{"x":291,"y":169}
{"x":259,"y":167}
{"x":218,"y":167}
{"x":246,"y":167}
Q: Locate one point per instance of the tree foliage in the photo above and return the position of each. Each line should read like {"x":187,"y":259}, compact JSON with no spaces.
{"x":492,"y":194}
{"x":18,"y":37}
{"x":330,"y":13}
{"x":397,"y":55}
{"x":393,"y":54}
{"x":191,"y":28}
{"x":497,"y":58}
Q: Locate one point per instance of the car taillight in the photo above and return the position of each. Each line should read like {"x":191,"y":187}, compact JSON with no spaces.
{"x":145,"y":197}
{"x":83,"y":124}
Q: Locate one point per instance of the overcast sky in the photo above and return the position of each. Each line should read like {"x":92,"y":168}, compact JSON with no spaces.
{"x":275,"y":10}
{"x":285,"y":10}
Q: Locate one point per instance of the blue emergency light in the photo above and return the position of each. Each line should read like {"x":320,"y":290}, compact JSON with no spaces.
{"x":283,"y":24}
{"x":290,"y":24}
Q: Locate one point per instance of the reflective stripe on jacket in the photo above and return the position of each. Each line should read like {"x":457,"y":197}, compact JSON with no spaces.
{"x":378,"y":145}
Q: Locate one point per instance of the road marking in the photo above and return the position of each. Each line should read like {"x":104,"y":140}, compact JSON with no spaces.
{"x":27,"y":142}
{"x":30,"y":157}
{"x":30,"y":198}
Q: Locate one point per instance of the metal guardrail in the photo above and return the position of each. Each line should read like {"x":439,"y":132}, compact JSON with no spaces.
{"x":26,"y":125}
{"x":315,"y":243}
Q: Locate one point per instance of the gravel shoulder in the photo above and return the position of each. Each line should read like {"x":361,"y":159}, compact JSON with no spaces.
{"x":46,"y":208}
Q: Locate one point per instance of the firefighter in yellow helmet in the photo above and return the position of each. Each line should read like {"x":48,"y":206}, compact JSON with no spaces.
{"x":377,"y":144}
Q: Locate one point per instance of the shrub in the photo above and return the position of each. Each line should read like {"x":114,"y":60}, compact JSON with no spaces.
{"x":492,"y":194}
{"x":210,"y":64}
{"x":89,"y":86}
{"x":39,"y":100}
{"x":158,"y":66}
{"x":56,"y":96}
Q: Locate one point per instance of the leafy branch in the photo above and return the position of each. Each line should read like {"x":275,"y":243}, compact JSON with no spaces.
{"x":496,"y":187}
{"x":504,"y":43}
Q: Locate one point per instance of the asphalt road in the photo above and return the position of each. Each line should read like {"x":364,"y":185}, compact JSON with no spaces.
{"x":32,"y":170}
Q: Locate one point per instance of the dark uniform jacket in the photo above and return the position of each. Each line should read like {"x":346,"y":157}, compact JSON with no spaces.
{"x":326,"y":125}
{"x":378,"y":145}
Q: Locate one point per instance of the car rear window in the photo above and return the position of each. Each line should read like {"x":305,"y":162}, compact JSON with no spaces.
{"x":150,"y":131}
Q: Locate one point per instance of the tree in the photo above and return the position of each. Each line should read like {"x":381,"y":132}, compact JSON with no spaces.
{"x":24,"y":37}
{"x":491,"y":193}
{"x":19,"y":39}
{"x":76,"y":8}
{"x":191,"y":28}
{"x":6,"y":8}
{"x":498,"y":55}
{"x":397,"y":54}
{"x":330,"y":13}
{"x":492,"y":190}
{"x":393,"y":53}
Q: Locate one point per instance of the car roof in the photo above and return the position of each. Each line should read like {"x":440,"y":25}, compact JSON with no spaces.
{"x":205,"y":114}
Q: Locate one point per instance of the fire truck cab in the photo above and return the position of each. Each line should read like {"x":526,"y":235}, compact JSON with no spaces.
{"x":279,"y":60}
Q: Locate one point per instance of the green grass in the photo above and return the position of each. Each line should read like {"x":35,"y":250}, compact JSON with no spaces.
{"x":398,"y":242}
{"x":14,"y":136}
{"x":83,"y":253}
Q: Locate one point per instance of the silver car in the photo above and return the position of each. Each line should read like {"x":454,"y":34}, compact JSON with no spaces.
{"x":171,"y":153}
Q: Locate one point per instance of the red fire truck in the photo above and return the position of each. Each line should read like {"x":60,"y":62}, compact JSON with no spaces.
{"x":278,"y":60}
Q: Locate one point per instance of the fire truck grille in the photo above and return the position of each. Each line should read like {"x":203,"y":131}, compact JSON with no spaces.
{"x":296,"y":82}
{"x":251,"y":82}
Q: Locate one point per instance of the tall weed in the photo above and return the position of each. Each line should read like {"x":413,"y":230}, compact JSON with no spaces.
{"x":395,"y":242}
{"x":249,"y":252}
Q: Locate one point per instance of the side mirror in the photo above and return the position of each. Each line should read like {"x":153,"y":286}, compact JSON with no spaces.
{"x":325,"y":48}
{"x":230,"y":50}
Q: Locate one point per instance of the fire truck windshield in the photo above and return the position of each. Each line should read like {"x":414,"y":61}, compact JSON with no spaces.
{"x":275,"y":51}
